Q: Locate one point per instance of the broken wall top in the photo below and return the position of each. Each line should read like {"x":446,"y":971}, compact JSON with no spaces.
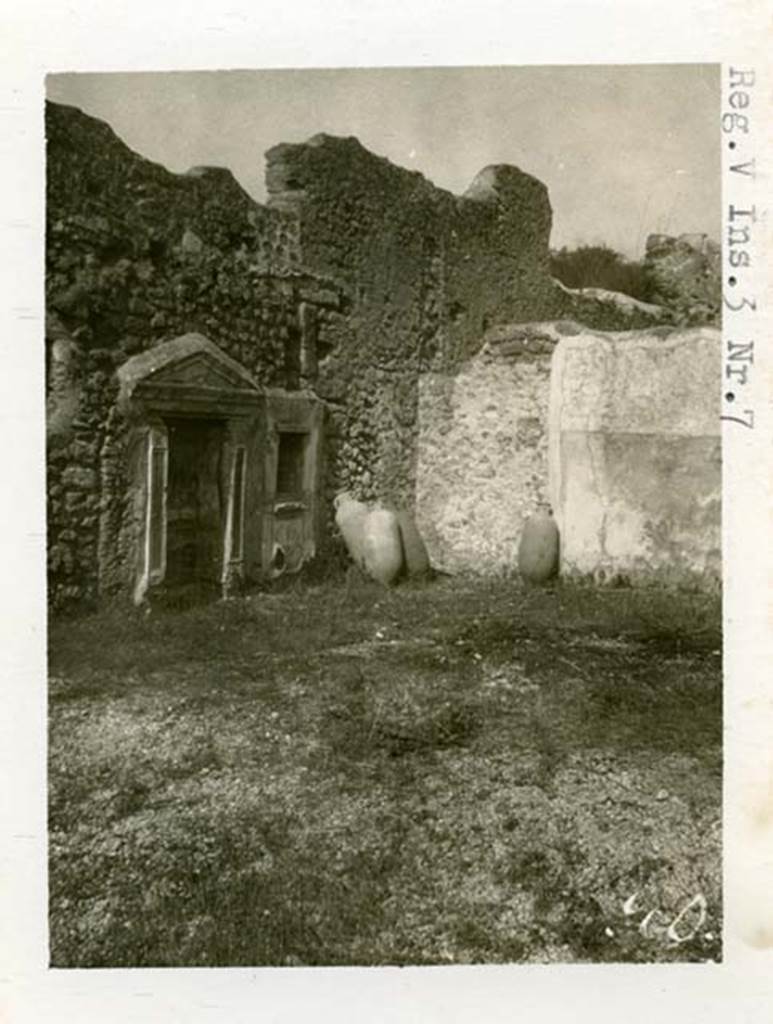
{"x":127,"y":204}
{"x":428,"y":272}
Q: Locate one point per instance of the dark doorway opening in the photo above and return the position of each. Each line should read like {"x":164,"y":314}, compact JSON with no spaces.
{"x":195,"y":504}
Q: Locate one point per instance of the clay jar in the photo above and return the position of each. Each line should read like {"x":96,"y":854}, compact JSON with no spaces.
{"x":382,"y":546}
{"x":538,"y":549}
{"x":350,"y":519}
{"x":414,"y":549}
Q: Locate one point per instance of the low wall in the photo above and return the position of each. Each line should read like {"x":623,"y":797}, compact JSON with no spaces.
{"x":635,"y":454}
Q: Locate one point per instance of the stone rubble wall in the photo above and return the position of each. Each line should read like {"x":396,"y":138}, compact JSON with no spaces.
{"x":482,"y":459}
{"x":357,"y":280}
{"x":429,"y":273}
{"x":136,"y":256}
{"x":687,"y":272}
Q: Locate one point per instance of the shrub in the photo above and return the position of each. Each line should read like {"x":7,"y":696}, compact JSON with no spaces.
{"x":598,"y":266}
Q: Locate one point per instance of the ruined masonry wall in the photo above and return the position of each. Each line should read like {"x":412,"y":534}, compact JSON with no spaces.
{"x":135,"y":256}
{"x":428,"y":272}
{"x":356,"y":280}
{"x":687,"y":274}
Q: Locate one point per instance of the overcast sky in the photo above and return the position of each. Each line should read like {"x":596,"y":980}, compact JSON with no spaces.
{"x":624,"y":150}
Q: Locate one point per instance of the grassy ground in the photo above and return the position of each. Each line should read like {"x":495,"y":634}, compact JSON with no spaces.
{"x":454,"y":771}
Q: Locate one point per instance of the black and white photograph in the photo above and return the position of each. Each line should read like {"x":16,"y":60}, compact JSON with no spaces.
{"x":386,"y":414}
{"x":384,"y":490}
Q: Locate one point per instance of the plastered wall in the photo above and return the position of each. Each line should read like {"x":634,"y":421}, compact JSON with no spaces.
{"x":635,"y":454}
{"x":619,"y":431}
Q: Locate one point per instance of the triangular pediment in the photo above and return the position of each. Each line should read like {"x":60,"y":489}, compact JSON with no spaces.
{"x":201,"y":370}
{"x":190,"y":361}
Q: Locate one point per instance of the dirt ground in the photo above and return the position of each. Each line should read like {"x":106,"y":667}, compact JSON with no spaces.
{"x":449,"y":772}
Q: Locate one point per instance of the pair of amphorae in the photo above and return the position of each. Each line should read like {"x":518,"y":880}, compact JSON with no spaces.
{"x":383,"y":542}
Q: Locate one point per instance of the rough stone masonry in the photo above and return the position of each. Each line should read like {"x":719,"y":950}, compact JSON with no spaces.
{"x":358,"y":289}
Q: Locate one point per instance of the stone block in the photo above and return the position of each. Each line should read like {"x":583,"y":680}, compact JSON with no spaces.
{"x":81,"y":477}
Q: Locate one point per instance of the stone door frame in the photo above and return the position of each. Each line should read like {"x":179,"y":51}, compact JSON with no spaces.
{"x":186,"y":377}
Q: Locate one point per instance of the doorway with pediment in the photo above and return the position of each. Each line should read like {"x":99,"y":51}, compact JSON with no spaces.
{"x":195,"y":452}
{"x":221,"y":476}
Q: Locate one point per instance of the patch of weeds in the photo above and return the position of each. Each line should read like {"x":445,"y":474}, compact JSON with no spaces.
{"x":550,"y":751}
{"x":183,"y":598}
{"x":399,"y":719}
{"x":513,"y":950}
{"x":610,"y":696}
{"x":246,"y":895}
{"x":341,"y":723}
{"x":641,"y":707}
{"x":123,"y":787}
{"x":494,"y":637}
{"x":469,"y":933}
{"x":202,"y":755}
{"x":564,"y":914}
{"x":567,"y":915}
{"x":67,"y":790}
{"x":526,"y":868}
{"x":581,"y":926}
{"x":327,"y":566}
{"x":131,"y":798}
{"x":680,"y":623}
{"x":451,"y":725}
{"x":662,"y":615}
